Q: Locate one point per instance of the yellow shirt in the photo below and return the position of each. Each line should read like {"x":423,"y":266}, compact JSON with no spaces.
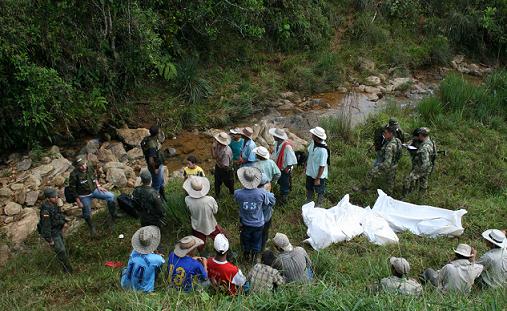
{"x":196,"y":171}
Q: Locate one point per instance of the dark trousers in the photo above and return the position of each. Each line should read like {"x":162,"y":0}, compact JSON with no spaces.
{"x":224,"y":176}
{"x":61,"y":253}
{"x":251,"y":239}
{"x":265,"y":234}
{"x":285,"y":182}
{"x":203,"y":236}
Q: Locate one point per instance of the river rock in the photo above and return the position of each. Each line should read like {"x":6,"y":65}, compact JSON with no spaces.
{"x":342,"y":90}
{"x":31,"y":198}
{"x":106,"y":155}
{"x":18,"y":231}
{"x":5,"y":192}
{"x":366,"y":64}
{"x":60,"y":165}
{"x":135,"y":154}
{"x":8,"y":220}
{"x":117,"y":177}
{"x":24,"y":165}
{"x":114,"y":164}
{"x":396,"y":83}
{"x":58,"y":181}
{"x":33,"y":181}
{"x":20,"y":196}
{"x":373,"y":80}
{"x":170,"y":152}
{"x":92,"y":146}
{"x":17,"y":187}
{"x":45,"y":160}
{"x":42,"y":170}
{"x":54,"y":152}
{"x":12,"y":208}
{"x":132,"y":137}
{"x":119,"y":151}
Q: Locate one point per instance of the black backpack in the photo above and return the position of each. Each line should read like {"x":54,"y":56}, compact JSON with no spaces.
{"x":69,"y":196}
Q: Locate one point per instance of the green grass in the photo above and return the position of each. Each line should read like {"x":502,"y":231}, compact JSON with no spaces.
{"x":471,"y":176}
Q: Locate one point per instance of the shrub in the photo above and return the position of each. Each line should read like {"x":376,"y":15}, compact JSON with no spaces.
{"x":189,"y":83}
{"x":430,"y":108}
{"x":339,"y":127}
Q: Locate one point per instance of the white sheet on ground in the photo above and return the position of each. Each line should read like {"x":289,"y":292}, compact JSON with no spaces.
{"x":419,"y":219}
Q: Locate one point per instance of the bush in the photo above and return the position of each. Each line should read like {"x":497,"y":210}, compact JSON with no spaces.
{"x":430,"y":108}
{"x":189,"y":83}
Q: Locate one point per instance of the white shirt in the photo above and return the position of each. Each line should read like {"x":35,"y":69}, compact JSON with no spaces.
{"x":495,"y":267}
{"x":202,"y":212}
{"x":458,"y":275}
{"x":317,"y":157}
{"x":402,"y":286}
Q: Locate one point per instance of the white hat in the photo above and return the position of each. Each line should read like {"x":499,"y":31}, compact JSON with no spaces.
{"x":278,"y":133}
{"x":261,"y":152}
{"x":196,"y":186}
{"x":464,"y":250}
{"x":186,"y":245}
{"x":319,"y":132}
{"x":496,"y":237}
{"x":146,"y":239}
{"x":235,"y":131}
{"x":221,"y":243}
{"x":223,"y":138}
{"x":399,"y":264}
{"x":282,"y":241}
{"x":249,"y":177}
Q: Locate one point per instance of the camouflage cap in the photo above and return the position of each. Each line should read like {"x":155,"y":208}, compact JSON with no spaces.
{"x":421,"y":130}
{"x":50,"y":192}
{"x":393,"y":121}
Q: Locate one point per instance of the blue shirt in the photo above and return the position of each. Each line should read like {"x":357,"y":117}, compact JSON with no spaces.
{"x":236,"y":146}
{"x":268,"y":211}
{"x":246,"y":151}
{"x":184,"y":273}
{"x":141,"y":272}
{"x":252,"y":203}
{"x":317,"y":157}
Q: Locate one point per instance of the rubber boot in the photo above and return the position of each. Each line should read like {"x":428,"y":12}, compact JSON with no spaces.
{"x":91,"y":225}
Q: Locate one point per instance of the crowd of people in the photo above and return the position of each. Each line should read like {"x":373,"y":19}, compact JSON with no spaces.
{"x":258,"y":170}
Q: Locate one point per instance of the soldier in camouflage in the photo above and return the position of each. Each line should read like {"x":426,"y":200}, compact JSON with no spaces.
{"x":422,"y":162}
{"x":387,"y":164}
{"x":378,"y":139}
{"x":154,"y":160}
{"x":51,"y":225}
{"x":148,"y":202}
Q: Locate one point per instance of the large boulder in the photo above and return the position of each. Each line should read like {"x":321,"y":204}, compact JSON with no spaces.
{"x":119,"y":151}
{"x":18,"y":231}
{"x":12,"y":208}
{"x":60,"y":165}
{"x":24,"y":165}
{"x":132,"y":137}
{"x":117,"y":177}
{"x":31,"y":198}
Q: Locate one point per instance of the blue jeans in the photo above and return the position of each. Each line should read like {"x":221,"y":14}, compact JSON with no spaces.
{"x":86,"y":200}
{"x":157,"y":180}
{"x":251,"y":238}
{"x":285,"y":182}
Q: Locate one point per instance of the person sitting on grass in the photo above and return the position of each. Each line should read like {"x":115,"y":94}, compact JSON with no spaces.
{"x":184,"y":271}
{"x":292,"y":262}
{"x":458,"y":275}
{"x":144,"y":265}
{"x":495,"y":260}
{"x":263,"y":277}
{"x":202,"y":209}
{"x":225,"y":276}
{"x":399,"y":281}
{"x":192,"y":169}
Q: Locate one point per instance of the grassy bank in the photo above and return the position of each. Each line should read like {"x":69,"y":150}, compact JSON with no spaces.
{"x":471,"y":176}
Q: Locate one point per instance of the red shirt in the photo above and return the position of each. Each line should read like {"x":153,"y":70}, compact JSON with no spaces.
{"x":226,"y":275}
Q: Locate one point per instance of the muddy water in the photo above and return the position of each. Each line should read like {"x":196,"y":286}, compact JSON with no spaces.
{"x":187,"y":143}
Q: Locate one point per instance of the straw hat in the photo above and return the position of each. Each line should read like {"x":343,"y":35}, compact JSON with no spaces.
{"x":496,"y":237}
{"x":282,"y":241}
{"x":186,"y":245}
{"x":399,"y":264}
{"x":249,"y":177}
{"x":146,"y":239}
{"x":196,"y":186}
{"x":319,"y":132}
{"x":223,"y":138}
{"x":464,"y":250}
{"x":247,"y":131}
{"x":261,"y":152}
{"x":235,"y":131}
{"x":278,"y":133}
{"x":221,"y":244}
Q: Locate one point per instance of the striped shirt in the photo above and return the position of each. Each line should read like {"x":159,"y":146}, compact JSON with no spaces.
{"x":263,"y":278}
{"x":293,"y":265}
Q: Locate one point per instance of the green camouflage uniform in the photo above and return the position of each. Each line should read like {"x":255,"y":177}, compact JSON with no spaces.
{"x":387,"y":165}
{"x":50,"y":228}
{"x":149,"y":203}
{"x":422,"y":166}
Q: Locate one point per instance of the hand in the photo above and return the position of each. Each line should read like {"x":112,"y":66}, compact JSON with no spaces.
{"x":316,"y":182}
{"x":101,"y":189}
{"x":79,"y":204}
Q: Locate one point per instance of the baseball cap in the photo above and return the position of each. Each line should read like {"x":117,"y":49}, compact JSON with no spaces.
{"x":221,"y":243}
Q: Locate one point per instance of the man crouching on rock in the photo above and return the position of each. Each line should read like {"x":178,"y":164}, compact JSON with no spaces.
{"x":84,"y":186}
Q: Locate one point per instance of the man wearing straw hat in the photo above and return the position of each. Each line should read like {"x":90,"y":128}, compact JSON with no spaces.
{"x":495,"y":260}
{"x":317,"y":165}
{"x":184,"y":270}
{"x":285,"y":159}
{"x":202,"y":209}
{"x":252,"y":202}
{"x":224,"y":172}
{"x":247,"y":157}
{"x":458,"y":275}
{"x":399,"y":282}
{"x":266,"y":165}
{"x":144,"y":265}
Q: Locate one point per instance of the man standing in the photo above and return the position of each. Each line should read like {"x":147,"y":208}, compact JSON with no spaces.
{"x":495,"y":260}
{"x":51,"y":225}
{"x":154,"y":160}
{"x":267,"y":166}
{"x":223,"y":156}
{"x":458,"y":275}
{"x":285,"y":159}
{"x":423,"y":162}
{"x":378,"y":139}
{"x":236,"y":145}
{"x":292,"y":262}
{"x":317,"y":165}
{"x":148,"y":202}
{"x":387,"y":163}
{"x":84,"y":186}
{"x":399,"y":282}
{"x":144,"y":265}
{"x":247,"y":157}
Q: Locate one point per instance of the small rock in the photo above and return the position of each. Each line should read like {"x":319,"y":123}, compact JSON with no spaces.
{"x":31,"y":198}
{"x":45,"y":160}
{"x":397,"y":82}
{"x":135,"y":154}
{"x":33,"y":181}
{"x":119,"y":152}
{"x":170,"y":152}
{"x":342,"y":90}
{"x":373,"y":80}
{"x":372,"y":90}
{"x":372,"y":97}
{"x":5,"y":192}
{"x":106,"y":155}
{"x":458,"y":59}
{"x":366,"y":64}
{"x":17,"y":187}
{"x":8,"y":219}
{"x":60,"y":165}
{"x":12,"y":208}
{"x":20,"y":197}
{"x":54,"y":150}
{"x":24,"y":165}
{"x":114,"y":164}
{"x":42,"y":170}
{"x":92,"y":146}
{"x":58,"y":181}
{"x":14,"y":157}
{"x":117,"y":177}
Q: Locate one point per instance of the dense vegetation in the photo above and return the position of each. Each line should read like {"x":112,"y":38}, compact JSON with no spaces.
{"x":473,"y":176}
{"x":67,"y":67}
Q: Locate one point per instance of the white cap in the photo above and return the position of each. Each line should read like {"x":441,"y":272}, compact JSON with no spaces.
{"x":221,"y":243}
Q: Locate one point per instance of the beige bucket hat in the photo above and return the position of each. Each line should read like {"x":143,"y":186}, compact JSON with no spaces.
{"x":186,"y":245}
{"x":464,"y":250}
{"x":319,"y":132}
{"x":249,"y":177}
{"x":282,"y":241}
{"x":146,"y":239}
{"x":496,"y":237}
{"x":277,"y":132}
{"x":196,"y":186}
{"x":261,"y":152}
{"x":247,"y":131}
{"x":223,"y":138}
